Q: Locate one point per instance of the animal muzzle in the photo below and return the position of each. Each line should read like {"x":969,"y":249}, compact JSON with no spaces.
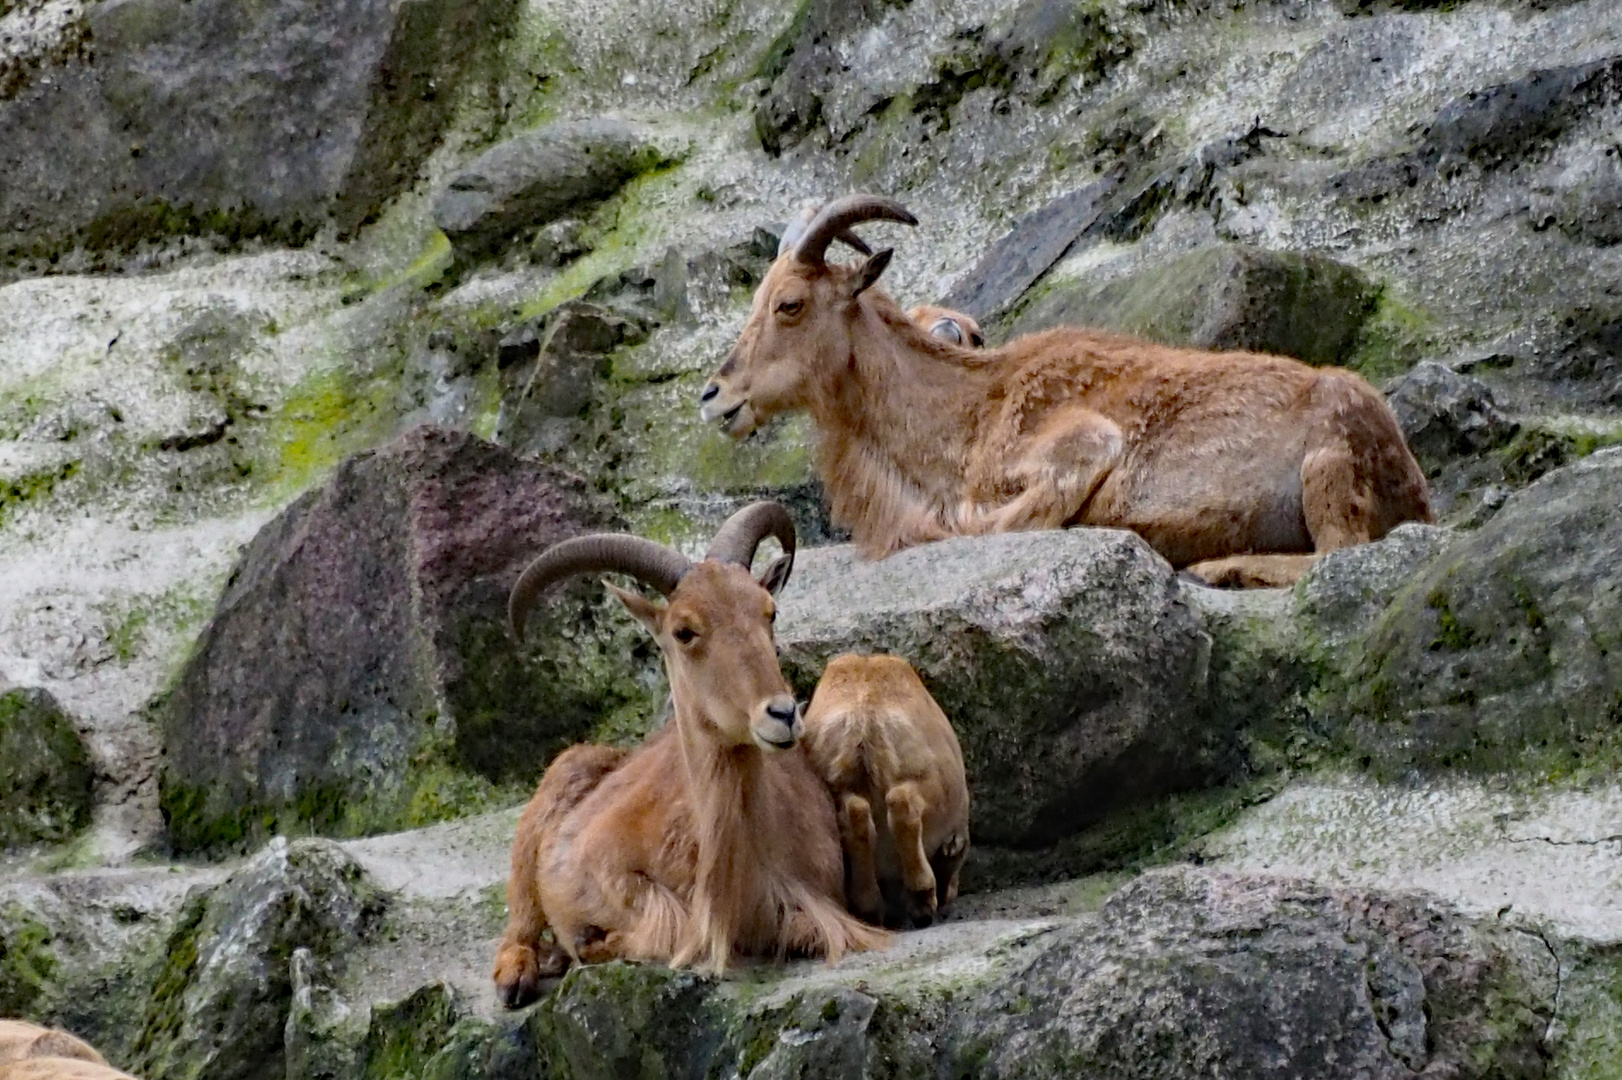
{"x":778,"y":725}
{"x":731,"y":411}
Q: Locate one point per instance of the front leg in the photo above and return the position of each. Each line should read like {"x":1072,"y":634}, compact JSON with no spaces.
{"x":1057,"y":469}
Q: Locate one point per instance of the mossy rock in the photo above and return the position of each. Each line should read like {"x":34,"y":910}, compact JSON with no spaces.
{"x":1502,"y":656}
{"x":46,"y":779}
{"x":1223,"y":297}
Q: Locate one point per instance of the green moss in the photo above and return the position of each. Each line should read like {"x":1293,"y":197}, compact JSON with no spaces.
{"x":404,"y":1035}
{"x":156,"y":219}
{"x":1591,"y":1013}
{"x":31,"y":487}
{"x":1393,"y":339}
{"x":1534,"y":451}
{"x":165,"y":1007}
{"x":1453,"y":633}
{"x":328,"y":416}
{"x":27,"y":964}
{"x":204,"y":820}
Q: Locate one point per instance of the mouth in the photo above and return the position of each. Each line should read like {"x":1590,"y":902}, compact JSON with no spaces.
{"x":772,"y":744}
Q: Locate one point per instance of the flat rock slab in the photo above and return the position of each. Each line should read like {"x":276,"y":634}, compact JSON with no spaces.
{"x":1543,"y":857}
{"x":538,"y":176}
{"x":1228,"y":296}
{"x":1071,"y":669}
{"x":1029,"y":250}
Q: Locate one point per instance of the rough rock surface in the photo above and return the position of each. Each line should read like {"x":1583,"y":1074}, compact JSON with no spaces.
{"x":218,"y":1003}
{"x":1447,"y":415}
{"x":1176,"y":972}
{"x":1228,"y":297}
{"x":1074,"y":674}
{"x":357,"y":672}
{"x":211,"y":117}
{"x":1502,"y":653}
{"x":45,"y":776}
{"x":537,"y":177}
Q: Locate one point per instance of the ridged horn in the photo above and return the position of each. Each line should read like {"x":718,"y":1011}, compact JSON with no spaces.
{"x":803,"y":217}
{"x":838,"y":216}
{"x":651,"y":563}
{"x":741,"y":535}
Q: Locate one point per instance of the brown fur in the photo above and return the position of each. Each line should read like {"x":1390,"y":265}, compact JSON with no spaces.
{"x":20,"y":1040}
{"x":703,"y":844}
{"x":1240,"y":466}
{"x":59,"y":1068}
{"x":892,"y":760}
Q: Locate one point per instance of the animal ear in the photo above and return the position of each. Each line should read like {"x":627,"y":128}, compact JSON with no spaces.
{"x":775,"y":576}
{"x":871,"y":269}
{"x":646,"y":611}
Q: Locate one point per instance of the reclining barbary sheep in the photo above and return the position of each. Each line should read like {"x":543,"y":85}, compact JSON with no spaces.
{"x":31,"y":1052}
{"x":889,"y":754}
{"x":712,"y":839}
{"x":1241,"y":467}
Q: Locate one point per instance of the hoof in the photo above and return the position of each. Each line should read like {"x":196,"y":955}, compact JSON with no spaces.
{"x":520,"y":969}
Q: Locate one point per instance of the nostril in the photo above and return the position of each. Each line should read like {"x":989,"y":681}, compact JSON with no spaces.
{"x":778,"y":710}
{"x":709,"y":392}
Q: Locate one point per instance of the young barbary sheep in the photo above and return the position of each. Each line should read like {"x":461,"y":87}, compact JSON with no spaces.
{"x":1241,"y":467}
{"x":893,"y":762}
{"x":712,"y":839}
{"x":20,"y":1039}
{"x":31,"y":1052}
{"x":59,"y":1068}
{"x":948,"y":325}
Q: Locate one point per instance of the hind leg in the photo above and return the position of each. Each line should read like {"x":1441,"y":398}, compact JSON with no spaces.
{"x":524,"y":958}
{"x":1251,"y":571}
{"x":947,"y":863}
{"x":906,"y":806}
{"x":1340,"y":507}
{"x":861,"y":839}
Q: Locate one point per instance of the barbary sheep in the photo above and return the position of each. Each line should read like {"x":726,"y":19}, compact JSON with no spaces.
{"x":31,"y":1052}
{"x":714,"y":838}
{"x":948,"y":325}
{"x":59,"y":1068}
{"x":881,"y":743}
{"x":20,"y":1039}
{"x":1243,"y":468}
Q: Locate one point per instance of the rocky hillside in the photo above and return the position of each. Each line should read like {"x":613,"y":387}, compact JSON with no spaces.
{"x":317,"y":320}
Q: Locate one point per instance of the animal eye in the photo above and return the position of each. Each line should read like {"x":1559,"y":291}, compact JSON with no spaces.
{"x":977,"y":340}
{"x":686,"y":635}
{"x":790,"y":307}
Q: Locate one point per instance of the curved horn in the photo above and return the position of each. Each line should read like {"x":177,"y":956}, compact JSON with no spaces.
{"x":838,"y":216}
{"x":743,"y":532}
{"x":803,"y":217}
{"x":651,"y":563}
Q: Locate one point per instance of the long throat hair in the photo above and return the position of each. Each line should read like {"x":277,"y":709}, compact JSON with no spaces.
{"x":723,"y":791}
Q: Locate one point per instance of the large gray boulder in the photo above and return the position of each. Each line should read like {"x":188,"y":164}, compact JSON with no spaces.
{"x":46,"y":778}
{"x":538,"y":176}
{"x":212,"y":116}
{"x":1228,"y":296}
{"x":357,"y":674}
{"x":1071,"y":669}
{"x":1503,"y":653}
